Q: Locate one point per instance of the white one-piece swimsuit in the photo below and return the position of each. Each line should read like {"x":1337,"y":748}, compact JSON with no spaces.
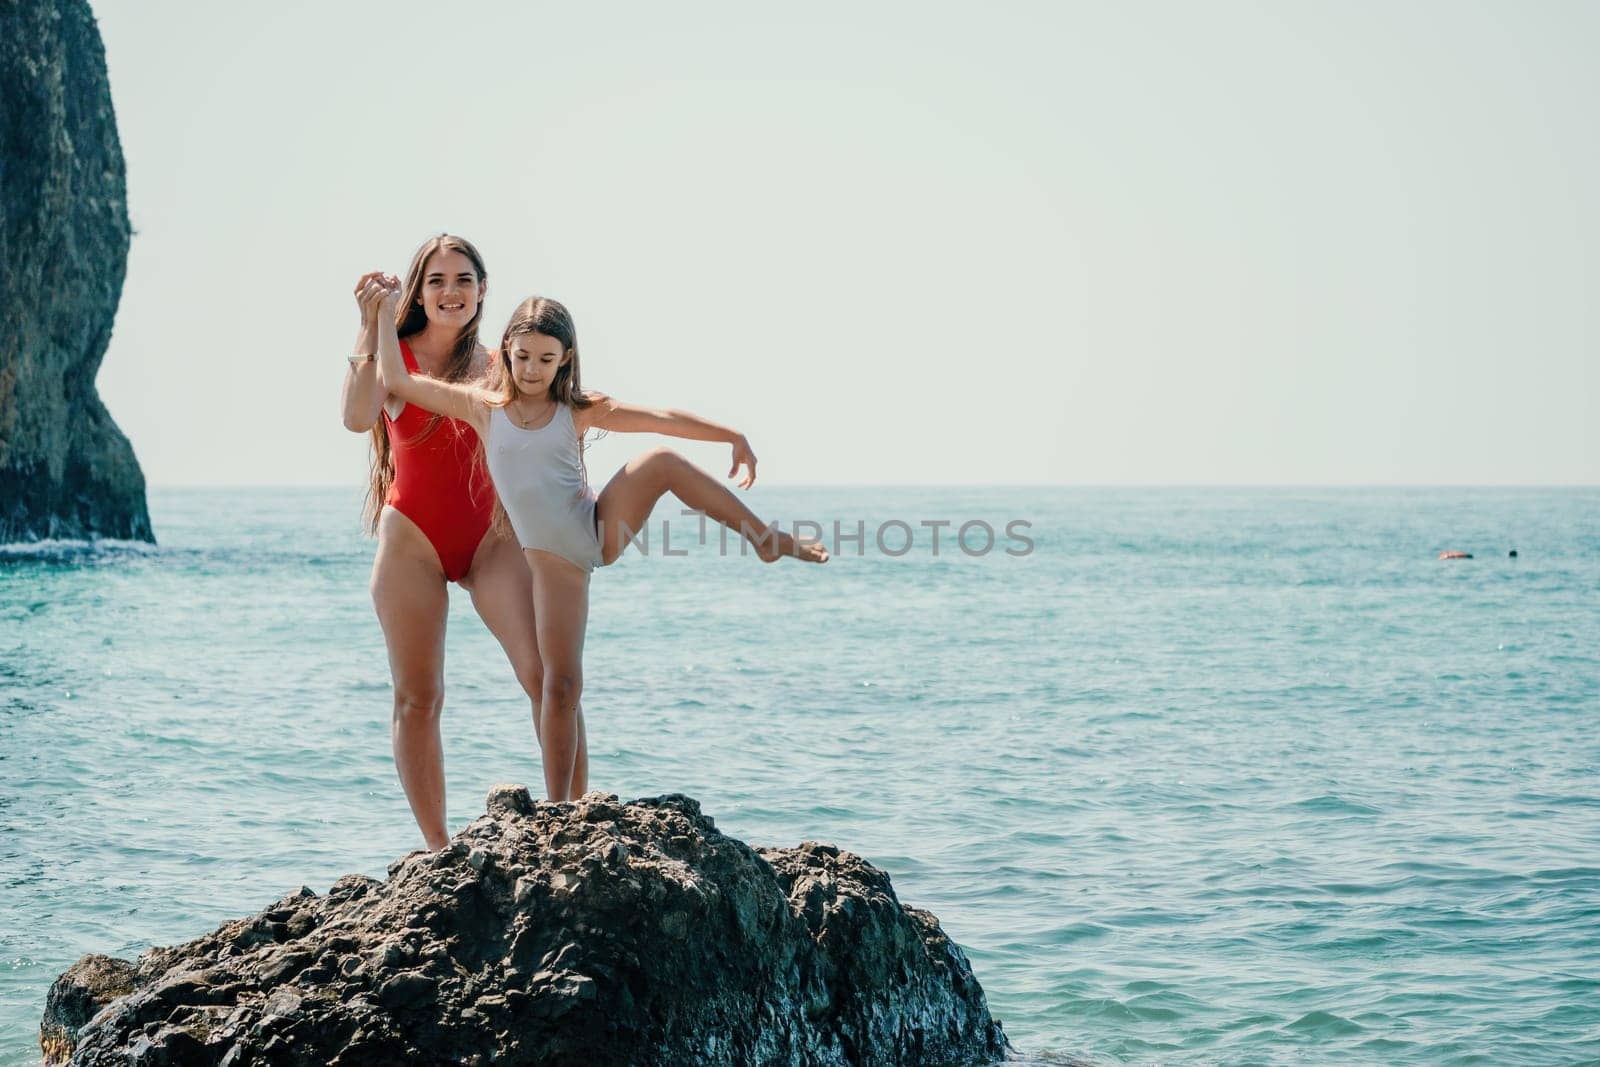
{"x":544,"y":487}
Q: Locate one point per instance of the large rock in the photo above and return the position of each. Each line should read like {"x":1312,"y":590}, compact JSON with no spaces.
{"x":588,"y":933}
{"x":65,"y":469}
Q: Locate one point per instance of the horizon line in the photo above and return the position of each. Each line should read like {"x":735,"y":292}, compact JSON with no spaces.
{"x":987,"y":485}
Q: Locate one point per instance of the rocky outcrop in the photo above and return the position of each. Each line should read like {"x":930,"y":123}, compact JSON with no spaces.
{"x":94,"y":982}
{"x":587,"y":933}
{"x":66,"y":471}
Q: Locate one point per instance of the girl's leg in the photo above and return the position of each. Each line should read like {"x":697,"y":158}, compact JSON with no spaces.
{"x":625,"y":504}
{"x":408,"y":591}
{"x":561,"y":611}
{"x":501,"y":585}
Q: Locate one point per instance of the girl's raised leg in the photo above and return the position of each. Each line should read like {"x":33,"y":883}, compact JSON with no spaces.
{"x":501,"y":584}
{"x":408,"y":591}
{"x":625,"y":504}
{"x":561,"y":613}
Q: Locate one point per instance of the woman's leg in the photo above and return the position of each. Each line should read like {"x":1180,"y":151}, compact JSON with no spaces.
{"x":561,"y":611}
{"x":408,"y":591}
{"x":625,"y":504}
{"x":501,"y":585}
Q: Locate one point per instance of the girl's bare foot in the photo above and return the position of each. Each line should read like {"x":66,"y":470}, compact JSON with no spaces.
{"x":771,"y":548}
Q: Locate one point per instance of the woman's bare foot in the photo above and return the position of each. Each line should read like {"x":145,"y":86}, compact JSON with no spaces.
{"x":771,"y":549}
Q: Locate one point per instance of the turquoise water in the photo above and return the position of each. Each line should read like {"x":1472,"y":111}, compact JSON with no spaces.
{"x":1216,"y":776}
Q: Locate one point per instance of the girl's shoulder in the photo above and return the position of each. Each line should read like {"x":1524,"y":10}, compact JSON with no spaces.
{"x":589,"y":408}
{"x":591,"y":405}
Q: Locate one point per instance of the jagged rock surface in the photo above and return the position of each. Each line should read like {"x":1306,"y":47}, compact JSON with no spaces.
{"x":66,"y":471}
{"x":589,"y":933}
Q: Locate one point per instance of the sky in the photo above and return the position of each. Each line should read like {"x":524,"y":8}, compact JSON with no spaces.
{"x":1143,"y":243}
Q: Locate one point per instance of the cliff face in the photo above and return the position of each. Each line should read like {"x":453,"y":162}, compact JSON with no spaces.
{"x":66,"y":471}
{"x":595,"y":933}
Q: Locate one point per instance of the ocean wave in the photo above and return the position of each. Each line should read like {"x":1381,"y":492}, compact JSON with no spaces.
{"x":58,"y":549}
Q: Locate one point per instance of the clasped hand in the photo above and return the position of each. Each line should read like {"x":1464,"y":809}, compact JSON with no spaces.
{"x":373,"y":290}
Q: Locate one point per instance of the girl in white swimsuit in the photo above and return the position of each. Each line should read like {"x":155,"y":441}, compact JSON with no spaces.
{"x":532,"y":426}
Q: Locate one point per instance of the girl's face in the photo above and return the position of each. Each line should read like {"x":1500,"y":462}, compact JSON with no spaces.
{"x":451,"y":291}
{"x":535,"y":358}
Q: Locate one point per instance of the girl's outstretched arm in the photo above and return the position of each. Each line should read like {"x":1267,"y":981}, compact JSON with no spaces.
{"x":455,"y":399}
{"x":609,"y":413}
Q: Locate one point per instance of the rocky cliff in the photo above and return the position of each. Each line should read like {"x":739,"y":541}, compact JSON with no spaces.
{"x":66,"y":471}
{"x":593,"y":933}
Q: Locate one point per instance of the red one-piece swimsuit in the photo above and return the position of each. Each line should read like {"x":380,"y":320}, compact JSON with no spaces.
{"x":439,"y":482}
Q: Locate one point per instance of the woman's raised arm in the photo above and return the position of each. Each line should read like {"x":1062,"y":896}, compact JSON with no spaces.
{"x":361,"y":398}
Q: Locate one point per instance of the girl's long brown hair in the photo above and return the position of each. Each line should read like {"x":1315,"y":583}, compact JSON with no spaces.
{"x":409,"y":319}
{"x":540,"y":314}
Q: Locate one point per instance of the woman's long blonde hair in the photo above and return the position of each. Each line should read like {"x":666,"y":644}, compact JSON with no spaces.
{"x":409,"y":318}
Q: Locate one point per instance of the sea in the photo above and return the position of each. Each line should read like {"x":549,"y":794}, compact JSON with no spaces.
{"x":1193,"y":776}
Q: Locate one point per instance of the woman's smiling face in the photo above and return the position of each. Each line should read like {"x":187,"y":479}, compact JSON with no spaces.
{"x":451,"y":289}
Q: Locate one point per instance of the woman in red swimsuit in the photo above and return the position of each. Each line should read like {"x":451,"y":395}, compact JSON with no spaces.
{"x":430,"y":504}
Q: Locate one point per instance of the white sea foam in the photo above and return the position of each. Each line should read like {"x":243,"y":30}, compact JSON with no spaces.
{"x":59,"y":547}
